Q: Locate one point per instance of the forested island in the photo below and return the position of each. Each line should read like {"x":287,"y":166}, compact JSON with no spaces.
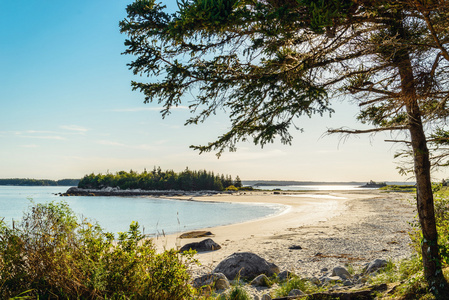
{"x":157,"y":179}
{"x":38,"y":182}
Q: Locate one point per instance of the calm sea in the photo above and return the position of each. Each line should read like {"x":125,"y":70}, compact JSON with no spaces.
{"x":307,"y":187}
{"x":155,"y":215}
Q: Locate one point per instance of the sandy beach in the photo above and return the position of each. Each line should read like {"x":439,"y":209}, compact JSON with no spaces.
{"x":331,"y":228}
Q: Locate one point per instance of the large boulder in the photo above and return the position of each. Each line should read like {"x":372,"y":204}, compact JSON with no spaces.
{"x":246,"y":265}
{"x":203,"y":246}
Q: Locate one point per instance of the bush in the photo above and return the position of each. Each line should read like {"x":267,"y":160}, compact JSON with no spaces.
{"x":231,"y":188}
{"x":50,"y":255}
{"x":296,"y":283}
{"x":236,"y":293}
{"x":441,"y":203}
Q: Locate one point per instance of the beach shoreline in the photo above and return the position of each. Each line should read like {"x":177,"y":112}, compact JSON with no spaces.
{"x":327,"y":228}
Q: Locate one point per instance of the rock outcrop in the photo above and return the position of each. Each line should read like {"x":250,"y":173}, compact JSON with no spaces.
{"x":203,"y":246}
{"x":114,"y":191}
{"x":246,"y":265}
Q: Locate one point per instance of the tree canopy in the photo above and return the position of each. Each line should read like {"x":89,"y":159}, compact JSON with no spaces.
{"x":269,"y":62}
{"x":157,"y":179}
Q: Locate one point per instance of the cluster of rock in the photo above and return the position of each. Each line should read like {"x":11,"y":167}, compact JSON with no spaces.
{"x":116,"y":191}
{"x":251,"y":267}
{"x":340,"y":276}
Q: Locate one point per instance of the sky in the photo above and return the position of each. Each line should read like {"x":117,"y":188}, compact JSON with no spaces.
{"x":67,"y":110}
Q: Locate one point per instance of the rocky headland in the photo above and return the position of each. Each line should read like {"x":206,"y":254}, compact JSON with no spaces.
{"x":114,"y":191}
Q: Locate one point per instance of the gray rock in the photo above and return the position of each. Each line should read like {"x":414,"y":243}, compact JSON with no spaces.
{"x":375,"y":265}
{"x":341,"y":272}
{"x":326,"y":280}
{"x":261,"y":280}
{"x":266,"y":297}
{"x":284,"y":275}
{"x":203,"y":246}
{"x":347,"y":283}
{"x":217,"y":280}
{"x":314,"y":280}
{"x":296,"y":292}
{"x":245,"y":265}
{"x":195,"y":234}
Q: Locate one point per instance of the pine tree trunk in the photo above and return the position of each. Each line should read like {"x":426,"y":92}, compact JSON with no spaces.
{"x":424,"y":195}
{"x":425,"y":205}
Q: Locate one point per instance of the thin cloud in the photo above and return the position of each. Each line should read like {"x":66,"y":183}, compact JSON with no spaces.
{"x":34,"y":132}
{"x":75,"y":128}
{"x":45,"y":137}
{"x":139,"y":109}
{"x":117,"y":144}
{"x":110,"y":143}
{"x":30,"y":146}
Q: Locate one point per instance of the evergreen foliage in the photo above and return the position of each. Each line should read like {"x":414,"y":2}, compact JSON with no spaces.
{"x":157,"y":179}
{"x":266,"y":63}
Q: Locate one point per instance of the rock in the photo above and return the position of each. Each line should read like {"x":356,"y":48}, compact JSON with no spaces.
{"x":295,"y":292}
{"x":347,"y":283}
{"x":375,"y":265}
{"x":266,"y":297}
{"x":295,"y":247}
{"x":195,"y":234}
{"x":246,"y":265}
{"x":205,"y":245}
{"x":284,"y":275}
{"x":341,"y":272}
{"x":261,"y":280}
{"x":217,"y":280}
{"x":329,"y":280}
{"x":314,"y":280}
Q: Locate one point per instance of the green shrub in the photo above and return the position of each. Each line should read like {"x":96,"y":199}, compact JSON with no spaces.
{"x":236,"y":293}
{"x":296,"y":283}
{"x":50,"y":255}
{"x":231,"y":188}
{"x":441,"y":203}
{"x":246,"y":188}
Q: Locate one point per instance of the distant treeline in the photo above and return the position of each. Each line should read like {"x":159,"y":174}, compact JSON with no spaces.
{"x":38,"y":182}
{"x":157,"y":179}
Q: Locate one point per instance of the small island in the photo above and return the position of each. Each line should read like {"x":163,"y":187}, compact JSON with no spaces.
{"x":154,"y":183}
{"x":374,"y":185}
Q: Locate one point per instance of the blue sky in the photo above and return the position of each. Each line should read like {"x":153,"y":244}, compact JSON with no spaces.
{"x":67,"y":109}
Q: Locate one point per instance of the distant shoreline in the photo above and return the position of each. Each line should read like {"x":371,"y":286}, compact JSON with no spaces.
{"x":37,"y":182}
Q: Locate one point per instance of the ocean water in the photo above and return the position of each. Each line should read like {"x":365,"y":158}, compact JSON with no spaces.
{"x":307,"y":187}
{"x":155,"y":215}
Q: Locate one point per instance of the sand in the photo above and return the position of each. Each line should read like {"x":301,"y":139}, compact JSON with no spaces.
{"x":331,"y":228}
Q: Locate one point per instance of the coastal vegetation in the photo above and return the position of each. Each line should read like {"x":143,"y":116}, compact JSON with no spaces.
{"x":157,"y":179}
{"x":268,"y":63}
{"x":50,"y":254}
{"x":38,"y":182}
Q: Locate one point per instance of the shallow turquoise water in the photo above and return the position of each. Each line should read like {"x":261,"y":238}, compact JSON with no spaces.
{"x":155,"y":215}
